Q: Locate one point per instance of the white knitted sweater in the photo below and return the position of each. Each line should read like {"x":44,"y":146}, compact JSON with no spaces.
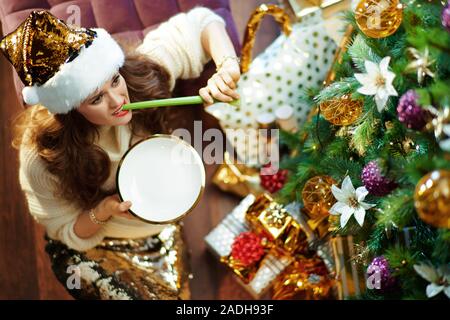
{"x":176,"y":45}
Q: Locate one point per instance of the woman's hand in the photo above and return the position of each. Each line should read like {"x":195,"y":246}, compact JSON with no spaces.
{"x":222,"y":85}
{"x":112,"y":206}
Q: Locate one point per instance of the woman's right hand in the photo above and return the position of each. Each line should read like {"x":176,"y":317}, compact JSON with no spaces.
{"x":222,"y":85}
{"x":112,"y":206}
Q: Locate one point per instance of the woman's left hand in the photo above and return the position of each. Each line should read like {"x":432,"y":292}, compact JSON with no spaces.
{"x":222,"y":85}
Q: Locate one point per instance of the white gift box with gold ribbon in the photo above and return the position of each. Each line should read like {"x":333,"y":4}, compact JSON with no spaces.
{"x":221,"y":238}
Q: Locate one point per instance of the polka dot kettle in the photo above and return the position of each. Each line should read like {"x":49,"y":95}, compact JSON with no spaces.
{"x":298,"y":59}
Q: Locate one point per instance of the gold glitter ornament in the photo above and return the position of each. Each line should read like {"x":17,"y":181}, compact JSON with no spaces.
{"x":378,"y":18}
{"x":317,"y":196}
{"x":343,"y":111}
{"x":432,"y":198}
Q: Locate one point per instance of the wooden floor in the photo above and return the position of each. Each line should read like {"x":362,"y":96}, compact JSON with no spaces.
{"x":24,"y":268}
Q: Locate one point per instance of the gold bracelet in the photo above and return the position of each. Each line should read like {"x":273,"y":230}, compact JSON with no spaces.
{"x":219,"y":65}
{"x":95,"y":220}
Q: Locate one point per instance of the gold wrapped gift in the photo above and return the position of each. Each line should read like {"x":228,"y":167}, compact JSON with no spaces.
{"x":260,"y":275}
{"x":268,"y":217}
{"x":245,"y":273}
{"x":305,"y":279}
{"x":281,"y":237}
{"x":271,"y":220}
{"x":350,"y":278}
{"x":319,"y":224}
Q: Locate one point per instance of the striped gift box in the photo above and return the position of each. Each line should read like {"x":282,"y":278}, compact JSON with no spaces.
{"x":221,"y":238}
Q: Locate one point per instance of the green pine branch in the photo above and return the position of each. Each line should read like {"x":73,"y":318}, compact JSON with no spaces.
{"x":405,"y":155}
{"x":397,"y":208}
{"x":360,"y":51}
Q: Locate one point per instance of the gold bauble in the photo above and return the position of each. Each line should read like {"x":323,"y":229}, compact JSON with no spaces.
{"x":378,"y":18}
{"x":317,"y":196}
{"x":342,"y":111}
{"x":432,"y":198}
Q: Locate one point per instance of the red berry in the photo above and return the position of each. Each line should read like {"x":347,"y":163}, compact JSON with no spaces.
{"x":274,"y":182}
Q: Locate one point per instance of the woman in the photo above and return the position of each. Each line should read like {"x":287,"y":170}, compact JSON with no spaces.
{"x":75,"y":134}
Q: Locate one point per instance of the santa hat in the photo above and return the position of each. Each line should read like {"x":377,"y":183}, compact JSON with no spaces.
{"x":60,"y":65}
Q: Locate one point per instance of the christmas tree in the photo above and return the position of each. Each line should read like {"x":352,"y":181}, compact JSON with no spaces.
{"x":377,"y":149}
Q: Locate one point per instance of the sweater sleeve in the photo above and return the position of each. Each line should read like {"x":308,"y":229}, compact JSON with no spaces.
{"x":176,"y":44}
{"x":57,"y":215}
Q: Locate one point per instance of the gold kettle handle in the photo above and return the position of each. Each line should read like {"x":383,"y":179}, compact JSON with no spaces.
{"x":252,"y":26}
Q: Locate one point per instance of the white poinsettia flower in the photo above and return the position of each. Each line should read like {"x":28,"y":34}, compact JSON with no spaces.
{"x":350,"y":202}
{"x":445,"y":144}
{"x":439,"y":278}
{"x":377,"y":82}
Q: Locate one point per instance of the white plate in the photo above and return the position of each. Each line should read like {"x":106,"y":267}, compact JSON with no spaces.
{"x":163,"y":177}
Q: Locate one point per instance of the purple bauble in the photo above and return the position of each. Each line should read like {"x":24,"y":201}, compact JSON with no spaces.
{"x":375,"y":182}
{"x":410,"y":113}
{"x":379,"y":275}
{"x":446,"y":16}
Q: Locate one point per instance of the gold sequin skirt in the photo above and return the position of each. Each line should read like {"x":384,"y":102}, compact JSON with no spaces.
{"x":151,"y":268}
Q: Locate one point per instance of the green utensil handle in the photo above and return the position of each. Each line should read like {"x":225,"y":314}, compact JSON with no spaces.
{"x":164,"y":103}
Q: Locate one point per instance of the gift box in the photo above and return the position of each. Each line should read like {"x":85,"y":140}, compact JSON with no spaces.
{"x":273,"y":221}
{"x":281,"y":236}
{"x":351,"y":261}
{"x":307,"y":278}
{"x":265,"y":274}
{"x":349,"y":275}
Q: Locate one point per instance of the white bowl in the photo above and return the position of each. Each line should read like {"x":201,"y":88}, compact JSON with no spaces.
{"x":163,"y":177}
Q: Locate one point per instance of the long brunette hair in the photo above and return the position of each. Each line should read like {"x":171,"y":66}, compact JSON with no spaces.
{"x":66,"y":141}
